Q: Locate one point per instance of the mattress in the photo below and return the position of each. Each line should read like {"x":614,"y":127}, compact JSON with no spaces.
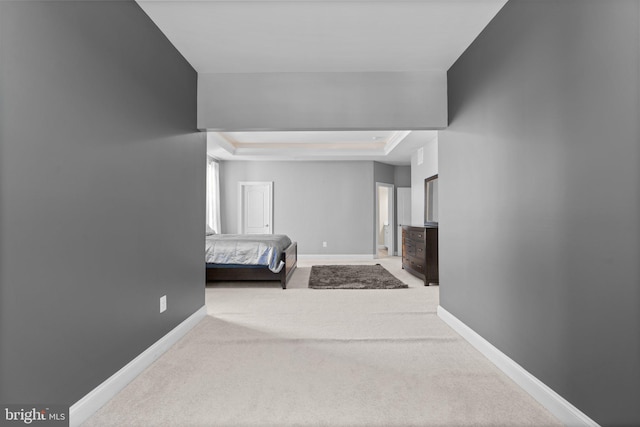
{"x":247,"y":249}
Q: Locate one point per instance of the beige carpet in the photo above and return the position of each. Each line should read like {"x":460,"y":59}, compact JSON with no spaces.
{"x":303,"y":357}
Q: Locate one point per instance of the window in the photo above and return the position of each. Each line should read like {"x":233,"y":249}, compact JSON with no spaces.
{"x":213,"y":195}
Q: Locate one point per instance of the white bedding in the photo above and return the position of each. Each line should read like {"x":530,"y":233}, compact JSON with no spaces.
{"x":247,"y":249}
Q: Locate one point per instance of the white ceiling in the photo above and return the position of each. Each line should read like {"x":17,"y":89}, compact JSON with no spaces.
{"x":242,"y":36}
{"x":314,"y":36}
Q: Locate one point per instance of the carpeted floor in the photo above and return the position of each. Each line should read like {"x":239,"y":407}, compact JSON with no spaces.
{"x":304,"y":357}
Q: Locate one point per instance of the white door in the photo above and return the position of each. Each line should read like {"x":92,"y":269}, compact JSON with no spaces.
{"x":404,"y":212}
{"x":256,"y":207}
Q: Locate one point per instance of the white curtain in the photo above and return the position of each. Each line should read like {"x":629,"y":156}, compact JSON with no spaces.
{"x":213,"y":195}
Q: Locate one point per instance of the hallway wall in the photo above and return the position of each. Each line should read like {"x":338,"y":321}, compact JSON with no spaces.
{"x":540,"y":197}
{"x":102,"y":186}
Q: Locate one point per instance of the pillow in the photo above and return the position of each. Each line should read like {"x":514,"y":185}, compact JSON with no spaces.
{"x":210,"y":231}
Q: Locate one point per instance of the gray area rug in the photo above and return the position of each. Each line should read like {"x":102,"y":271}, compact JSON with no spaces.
{"x":353,"y":277}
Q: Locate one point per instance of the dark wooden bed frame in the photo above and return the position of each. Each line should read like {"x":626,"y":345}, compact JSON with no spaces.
{"x":235,"y":273}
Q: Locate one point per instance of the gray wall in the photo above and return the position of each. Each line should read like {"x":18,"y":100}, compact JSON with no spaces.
{"x":540,"y":185}
{"x":402,"y":176}
{"x":101,"y":197}
{"x":322,"y":101}
{"x":419,"y":173}
{"x":313,"y":202}
{"x":383,"y":172}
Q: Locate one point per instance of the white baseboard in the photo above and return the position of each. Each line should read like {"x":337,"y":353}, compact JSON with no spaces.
{"x":568,"y":414}
{"x":89,"y":404}
{"x":336,"y":256}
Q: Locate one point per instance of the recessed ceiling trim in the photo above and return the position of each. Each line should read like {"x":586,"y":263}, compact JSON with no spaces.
{"x":401,"y":145}
{"x":364,"y":141}
{"x":379,"y":146}
{"x":395,"y":140}
{"x":218,"y":139}
{"x":307,"y":153}
{"x":304,"y":144}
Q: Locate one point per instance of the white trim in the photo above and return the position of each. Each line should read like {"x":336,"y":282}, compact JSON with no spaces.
{"x":222,"y":144}
{"x":568,"y":414}
{"x":89,"y":404}
{"x":217,"y":140}
{"x":337,"y":256}
{"x":395,"y":140}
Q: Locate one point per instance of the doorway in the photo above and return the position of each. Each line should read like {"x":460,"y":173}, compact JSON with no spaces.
{"x":255,"y":208}
{"x":403,"y":199}
{"x":385,"y":208}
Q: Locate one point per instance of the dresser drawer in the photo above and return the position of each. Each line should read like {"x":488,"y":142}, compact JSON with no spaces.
{"x":416,"y":264}
{"x":416,"y":235}
{"x":409,"y":248}
{"x":406,"y":261}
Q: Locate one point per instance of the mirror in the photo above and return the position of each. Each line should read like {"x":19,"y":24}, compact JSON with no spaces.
{"x":431,"y":200}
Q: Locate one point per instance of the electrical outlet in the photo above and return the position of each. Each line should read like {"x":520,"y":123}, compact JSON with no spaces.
{"x":324,"y":244}
{"x":163,"y":303}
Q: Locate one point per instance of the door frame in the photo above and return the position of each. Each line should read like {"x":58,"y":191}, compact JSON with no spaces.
{"x":242,"y":185}
{"x":392,"y":215}
{"x":407,"y":193}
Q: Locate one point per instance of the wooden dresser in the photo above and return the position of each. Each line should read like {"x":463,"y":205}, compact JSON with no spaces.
{"x":420,"y":252}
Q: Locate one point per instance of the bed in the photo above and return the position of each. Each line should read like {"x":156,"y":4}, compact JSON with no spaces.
{"x":240,"y":257}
